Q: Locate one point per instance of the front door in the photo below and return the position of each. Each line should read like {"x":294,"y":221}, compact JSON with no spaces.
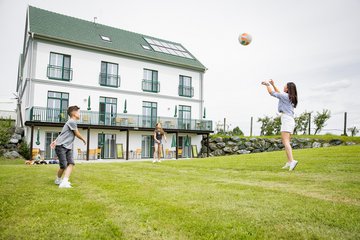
{"x":107,"y":144}
{"x":107,"y":110}
{"x":147,"y":146}
{"x":149,"y":114}
{"x":49,"y":138}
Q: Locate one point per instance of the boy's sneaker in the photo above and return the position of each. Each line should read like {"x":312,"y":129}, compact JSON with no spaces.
{"x":287,"y":165}
{"x":58,"y":181}
{"x":65,"y":184}
{"x":293,"y":165}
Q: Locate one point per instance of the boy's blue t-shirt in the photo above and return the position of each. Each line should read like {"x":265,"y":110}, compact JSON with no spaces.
{"x":67,"y":135}
{"x":285,"y":105}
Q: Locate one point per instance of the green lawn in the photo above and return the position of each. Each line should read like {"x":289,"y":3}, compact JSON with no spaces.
{"x":234,"y":197}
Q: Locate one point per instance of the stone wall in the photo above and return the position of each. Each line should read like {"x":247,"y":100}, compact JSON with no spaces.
{"x":235,"y":145}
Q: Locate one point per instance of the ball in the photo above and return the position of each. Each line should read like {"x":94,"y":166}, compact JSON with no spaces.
{"x":245,"y":39}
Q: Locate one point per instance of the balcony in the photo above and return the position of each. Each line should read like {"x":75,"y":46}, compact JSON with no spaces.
{"x":50,"y":115}
{"x":59,"y":73}
{"x":151,"y":86}
{"x":186,"y":91}
{"x":109,"y":80}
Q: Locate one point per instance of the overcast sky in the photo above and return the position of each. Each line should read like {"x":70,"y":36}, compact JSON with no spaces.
{"x":315,"y":44}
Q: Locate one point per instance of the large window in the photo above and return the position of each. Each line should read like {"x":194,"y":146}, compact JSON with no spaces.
{"x":107,"y":110}
{"x":109,"y":75}
{"x":149,"y":114}
{"x":184,"y":117}
{"x":59,"y":67}
{"x":185,"y":86}
{"x":150,"y":81}
{"x":57,"y":104}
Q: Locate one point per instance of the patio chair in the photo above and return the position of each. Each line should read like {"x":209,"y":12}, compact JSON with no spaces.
{"x":138,"y":153}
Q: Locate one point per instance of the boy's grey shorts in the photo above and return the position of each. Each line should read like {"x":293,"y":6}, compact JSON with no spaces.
{"x":65,"y":156}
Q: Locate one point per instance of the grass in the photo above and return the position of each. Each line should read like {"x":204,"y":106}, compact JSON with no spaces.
{"x":232,"y":197}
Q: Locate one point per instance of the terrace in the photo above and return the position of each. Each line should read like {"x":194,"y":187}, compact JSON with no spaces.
{"x":118,"y":120}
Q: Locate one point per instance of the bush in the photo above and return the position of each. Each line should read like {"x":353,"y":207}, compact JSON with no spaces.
{"x":5,"y":132}
{"x":237,"y":131}
{"x":24,"y":149}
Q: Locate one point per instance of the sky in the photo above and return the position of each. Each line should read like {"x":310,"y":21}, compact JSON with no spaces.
{"x":315,"y":44}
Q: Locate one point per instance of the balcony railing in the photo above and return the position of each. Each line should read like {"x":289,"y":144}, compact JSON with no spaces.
{"x":59,"y":73}
{"x":109,"y":80}
{"x":186,"y":91}
{"x":42,"y":114}
{"x":150,"y":86}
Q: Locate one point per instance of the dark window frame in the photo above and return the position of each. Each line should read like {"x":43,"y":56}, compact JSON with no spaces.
{"x":62,"y":78}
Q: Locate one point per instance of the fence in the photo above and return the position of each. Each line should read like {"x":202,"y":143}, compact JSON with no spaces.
{"x":338,"y":124}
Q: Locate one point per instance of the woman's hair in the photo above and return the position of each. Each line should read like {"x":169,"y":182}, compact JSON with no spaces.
{"x":158,"y":128}
{"x":292,"y":93}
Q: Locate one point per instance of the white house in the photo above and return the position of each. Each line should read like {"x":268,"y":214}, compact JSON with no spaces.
{"x":124,"y":83}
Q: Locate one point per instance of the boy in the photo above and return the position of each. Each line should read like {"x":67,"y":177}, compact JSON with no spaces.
{"x":63,"y":145}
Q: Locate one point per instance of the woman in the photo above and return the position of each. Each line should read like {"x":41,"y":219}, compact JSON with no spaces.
{"x":158,"y":135}
{"x":288,"y":100}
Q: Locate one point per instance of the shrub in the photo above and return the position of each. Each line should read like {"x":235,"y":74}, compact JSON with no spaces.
{"x":5,"y":132}
{"x":24,"y":149}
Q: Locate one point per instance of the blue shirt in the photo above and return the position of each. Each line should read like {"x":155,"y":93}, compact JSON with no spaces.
{"x":285,"y":105}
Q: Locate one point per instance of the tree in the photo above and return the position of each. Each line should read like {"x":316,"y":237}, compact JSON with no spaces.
{"x":353,"y":131}
{"x":269,"y":125}
{"x":320,"y":119}
{"x":302,"y":123}
{"x":237,"y":131}
{"x":276,"y":123}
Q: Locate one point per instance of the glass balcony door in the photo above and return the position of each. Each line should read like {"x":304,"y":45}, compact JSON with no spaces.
{"x":109,"y":74}
{"x":149,"y":114}
{"x":49,"y":138}
{"x":147,"y":146}
{"x":184,"y":117}
{"x":107,"y":143}
{"x":107,"y":110}
{"x":59,"y":66}
{"x":57,"y":104}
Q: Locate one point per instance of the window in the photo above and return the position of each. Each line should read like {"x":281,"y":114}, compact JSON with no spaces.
{"x":57,"y":104}
{"x":149,"y":114}
{"x":168,"y":48}
{"x":105,"y":38}
{"x":107,"y":110}
{"x":185,"y":86}
{"x":109,"y":75}
{"x":150,"y":81}
{"x":59,"y":67}
{"x":184,"y":117}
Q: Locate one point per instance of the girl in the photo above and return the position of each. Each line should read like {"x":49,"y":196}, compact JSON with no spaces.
{"x":288,"y":100}
{"x":158,"y":135}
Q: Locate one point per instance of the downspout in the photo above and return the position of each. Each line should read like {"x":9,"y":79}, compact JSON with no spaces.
{"x":31,"y":70}
{"x":201,"y":94}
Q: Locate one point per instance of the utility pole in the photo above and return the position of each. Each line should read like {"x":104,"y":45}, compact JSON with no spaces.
{"x":309,"y":130}
{"x":345,"y":121}
{"x":251,"y":126}
{"x":224,"y":125}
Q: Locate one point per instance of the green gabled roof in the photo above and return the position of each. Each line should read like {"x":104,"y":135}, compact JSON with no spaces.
{"x":61,"y":28}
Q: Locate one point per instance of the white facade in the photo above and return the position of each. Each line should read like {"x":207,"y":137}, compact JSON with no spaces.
{"x":34,"y":85}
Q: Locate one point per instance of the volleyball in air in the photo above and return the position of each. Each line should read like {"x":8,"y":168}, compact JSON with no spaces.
{"x":245,"y":39}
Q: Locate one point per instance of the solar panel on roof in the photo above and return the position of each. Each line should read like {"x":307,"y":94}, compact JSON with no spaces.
{"x":168,"y":48}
